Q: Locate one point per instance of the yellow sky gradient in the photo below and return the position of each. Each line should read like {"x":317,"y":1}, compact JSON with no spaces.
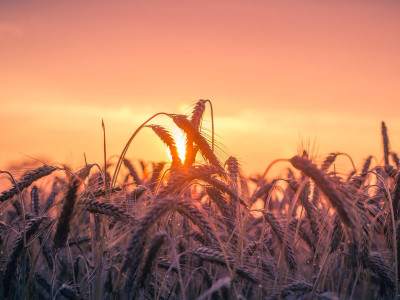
{"x":277,"y":72}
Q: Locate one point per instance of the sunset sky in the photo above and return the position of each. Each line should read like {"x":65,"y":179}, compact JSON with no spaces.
{"x":277,"y":73}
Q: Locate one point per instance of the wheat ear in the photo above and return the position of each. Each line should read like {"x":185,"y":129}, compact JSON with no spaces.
{"x":385,"y":141}
{"x":168,"y":140}
{"x":11,"y":266}
{"x":105,"y":208}
{"x":26,"y":181}
{"x":35,"y":200}
{"x":157,"y":210}
{"x":326,"y":186}
{"x":182,"y":122}
{"x":64,"y":220}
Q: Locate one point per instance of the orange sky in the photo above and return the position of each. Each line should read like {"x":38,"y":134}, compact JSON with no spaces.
{"x":278,"y":72}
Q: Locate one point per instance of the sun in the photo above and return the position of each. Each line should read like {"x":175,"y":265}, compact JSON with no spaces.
{"x":180,"y":142}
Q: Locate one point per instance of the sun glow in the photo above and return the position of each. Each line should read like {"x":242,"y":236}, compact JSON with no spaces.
{"x":180,"y":142}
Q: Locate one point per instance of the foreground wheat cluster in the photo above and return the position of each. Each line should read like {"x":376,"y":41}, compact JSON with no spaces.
{"x":190,"y":230}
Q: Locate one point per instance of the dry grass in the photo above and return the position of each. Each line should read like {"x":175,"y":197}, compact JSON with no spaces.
{"x":187,"y":230}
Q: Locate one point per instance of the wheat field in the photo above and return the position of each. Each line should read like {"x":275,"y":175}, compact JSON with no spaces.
{"x":197,"y":228}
